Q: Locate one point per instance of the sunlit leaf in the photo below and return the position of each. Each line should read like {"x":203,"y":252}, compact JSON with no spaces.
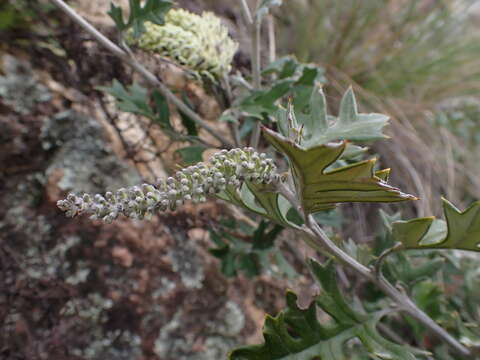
{"x":319,"y":188}
{"x":320,"y":128}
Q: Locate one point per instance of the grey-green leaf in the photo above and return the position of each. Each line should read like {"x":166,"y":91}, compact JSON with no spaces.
{"x":321,"y":189}
{"x":320,"y":128}
{"x":132,"y":99}
{"x":318,"y":121}
{"x":260,"y":199}
{"x":348,"y":108}
{"x":461,"y":230}
{"x":297,"y":334}
{"x":153,"y":11}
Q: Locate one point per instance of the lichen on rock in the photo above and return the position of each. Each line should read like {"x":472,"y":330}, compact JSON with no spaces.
{"x":220,"y":336}
{"x":88,"y":315}
{"x":186,"y":262}
{"x":82,"y":154}
{"x":19,"y":88}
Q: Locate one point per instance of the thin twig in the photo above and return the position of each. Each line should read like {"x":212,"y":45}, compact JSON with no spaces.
{"x":123,"y":55}
{"x":255,"y":27}
{"x":379,"y":262}
{"x":256,"y":74}
{"x":256,"y":55}
{"x":233,"y":126}
{"x":246,"y":12}
{"x":272,"y":43}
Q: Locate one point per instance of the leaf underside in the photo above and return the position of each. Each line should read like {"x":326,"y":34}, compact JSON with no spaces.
{"x":297,"y":334}
{"x":261,"y":199}
{"x":320,"y":189}
{"x":461,"y":230}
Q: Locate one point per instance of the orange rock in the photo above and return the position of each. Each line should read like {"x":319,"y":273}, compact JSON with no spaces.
{"x":123,"y":255}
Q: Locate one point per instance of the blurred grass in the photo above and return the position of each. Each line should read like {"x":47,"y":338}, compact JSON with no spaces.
{"x":425,"y":50}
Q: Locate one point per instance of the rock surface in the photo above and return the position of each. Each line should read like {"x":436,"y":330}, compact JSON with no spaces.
{"x":77,"y":289}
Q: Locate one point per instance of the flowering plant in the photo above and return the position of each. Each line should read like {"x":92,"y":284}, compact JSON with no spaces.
{"x":325,"y":167}
{"x":199,"y":42}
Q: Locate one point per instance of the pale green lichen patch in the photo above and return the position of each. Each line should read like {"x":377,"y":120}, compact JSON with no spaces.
{"x":19,"y":87}
{"x":199,"y":42}
{"x":87,"y":314}
{"x":81,"y":153}
{"x":187,"y":262}
{"x":220,"y":335}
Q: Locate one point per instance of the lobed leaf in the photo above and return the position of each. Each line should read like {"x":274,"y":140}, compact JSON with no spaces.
{"x":297,"y":334}
{"x":320,"y":128}
{"x":135,"y":99}
{"x":321,"y":189}
{"x":132,"y":99}
{"x":461,"y":230}
{"x":292,"y":78}
{"x":153,"y":11}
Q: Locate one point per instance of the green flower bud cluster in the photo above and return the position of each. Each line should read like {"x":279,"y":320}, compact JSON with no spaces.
{"x":200,"y":43}
{"x":225,"y":168}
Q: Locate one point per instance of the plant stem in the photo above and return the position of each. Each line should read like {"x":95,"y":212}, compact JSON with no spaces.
{"x":246,"y":12}
{"x":323,"y":242}
{"x":162,"y":88}
{"x":257,"y":77}
{"x":272,"y":43}
{"x":255,"y":29}
{"x":256,"y":55}
{"x":378,"y":264}
{"x":320,"y":241}
{"x":234,"y":128}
